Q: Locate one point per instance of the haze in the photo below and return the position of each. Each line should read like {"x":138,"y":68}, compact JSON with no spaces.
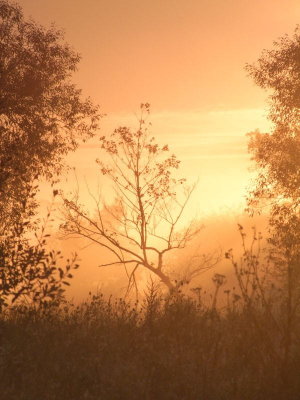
{"x":187,"y":59}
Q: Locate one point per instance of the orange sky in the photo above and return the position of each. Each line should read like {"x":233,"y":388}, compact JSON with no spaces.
{"x":176,"y":54}
{"x":187,"y":58}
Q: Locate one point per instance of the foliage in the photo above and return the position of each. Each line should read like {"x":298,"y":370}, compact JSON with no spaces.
{"x":269,"y":285}
{"x":279,"y":71}
{"x":142,"y":226}
{"x":173,"y":348}
{"x":277,"y":157}
{"x":29,"y":272}
{"x":42,"y":114}
{"x":277,"y":153}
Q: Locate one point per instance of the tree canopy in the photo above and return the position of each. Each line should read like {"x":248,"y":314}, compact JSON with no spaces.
{"x":42,"y":117}
{"x":277,"y":156}
{"x":42,"y":113}
{"x":278,"y":70}
{"x":277,"y":153}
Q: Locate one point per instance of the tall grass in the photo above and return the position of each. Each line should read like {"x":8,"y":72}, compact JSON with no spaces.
{"x":161,"y":348}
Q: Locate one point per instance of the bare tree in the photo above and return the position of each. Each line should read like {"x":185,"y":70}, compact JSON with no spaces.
{"x":144,"y":222}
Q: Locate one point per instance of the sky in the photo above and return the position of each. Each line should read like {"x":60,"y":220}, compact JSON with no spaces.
{"x":179,"y":55}
{"x":187,"y":59}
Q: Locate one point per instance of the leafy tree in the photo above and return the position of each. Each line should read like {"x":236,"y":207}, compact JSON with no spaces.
{"x":277,"y":156}
{"x":142,"y":227}
{"x":42,"y":118}
{"x":278,"y":70}
{"x":42,"y":113}
{"x":30,"y":273}
{"x":277,"y":153}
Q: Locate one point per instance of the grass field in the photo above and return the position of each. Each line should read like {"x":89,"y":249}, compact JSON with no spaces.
{"x":174,"y":348}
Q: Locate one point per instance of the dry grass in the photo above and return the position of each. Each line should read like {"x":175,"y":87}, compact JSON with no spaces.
{"x":171,"y":348}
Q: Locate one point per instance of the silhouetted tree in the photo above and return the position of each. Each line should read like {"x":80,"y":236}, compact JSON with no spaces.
{"x":42,"y":114}
{"x":277,"y":156}
{"x":278,"y":70}
{"x":277,"y":153}
{"x":30,"y":274}
{"x":141,"y":228}
{"x":42,"y":118}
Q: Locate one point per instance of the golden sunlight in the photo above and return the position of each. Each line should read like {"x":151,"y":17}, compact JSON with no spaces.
{"x":149,"y":199}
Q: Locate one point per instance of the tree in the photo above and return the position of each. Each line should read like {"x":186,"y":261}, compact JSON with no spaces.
{"x":279,"y":70}
{"x":277,"y":156}
{"x":277,"y":153}
{"x":42,"y":114}
{"x":141,"y":228}
{"x":30,"y":273}
{"x":42,"y":118}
